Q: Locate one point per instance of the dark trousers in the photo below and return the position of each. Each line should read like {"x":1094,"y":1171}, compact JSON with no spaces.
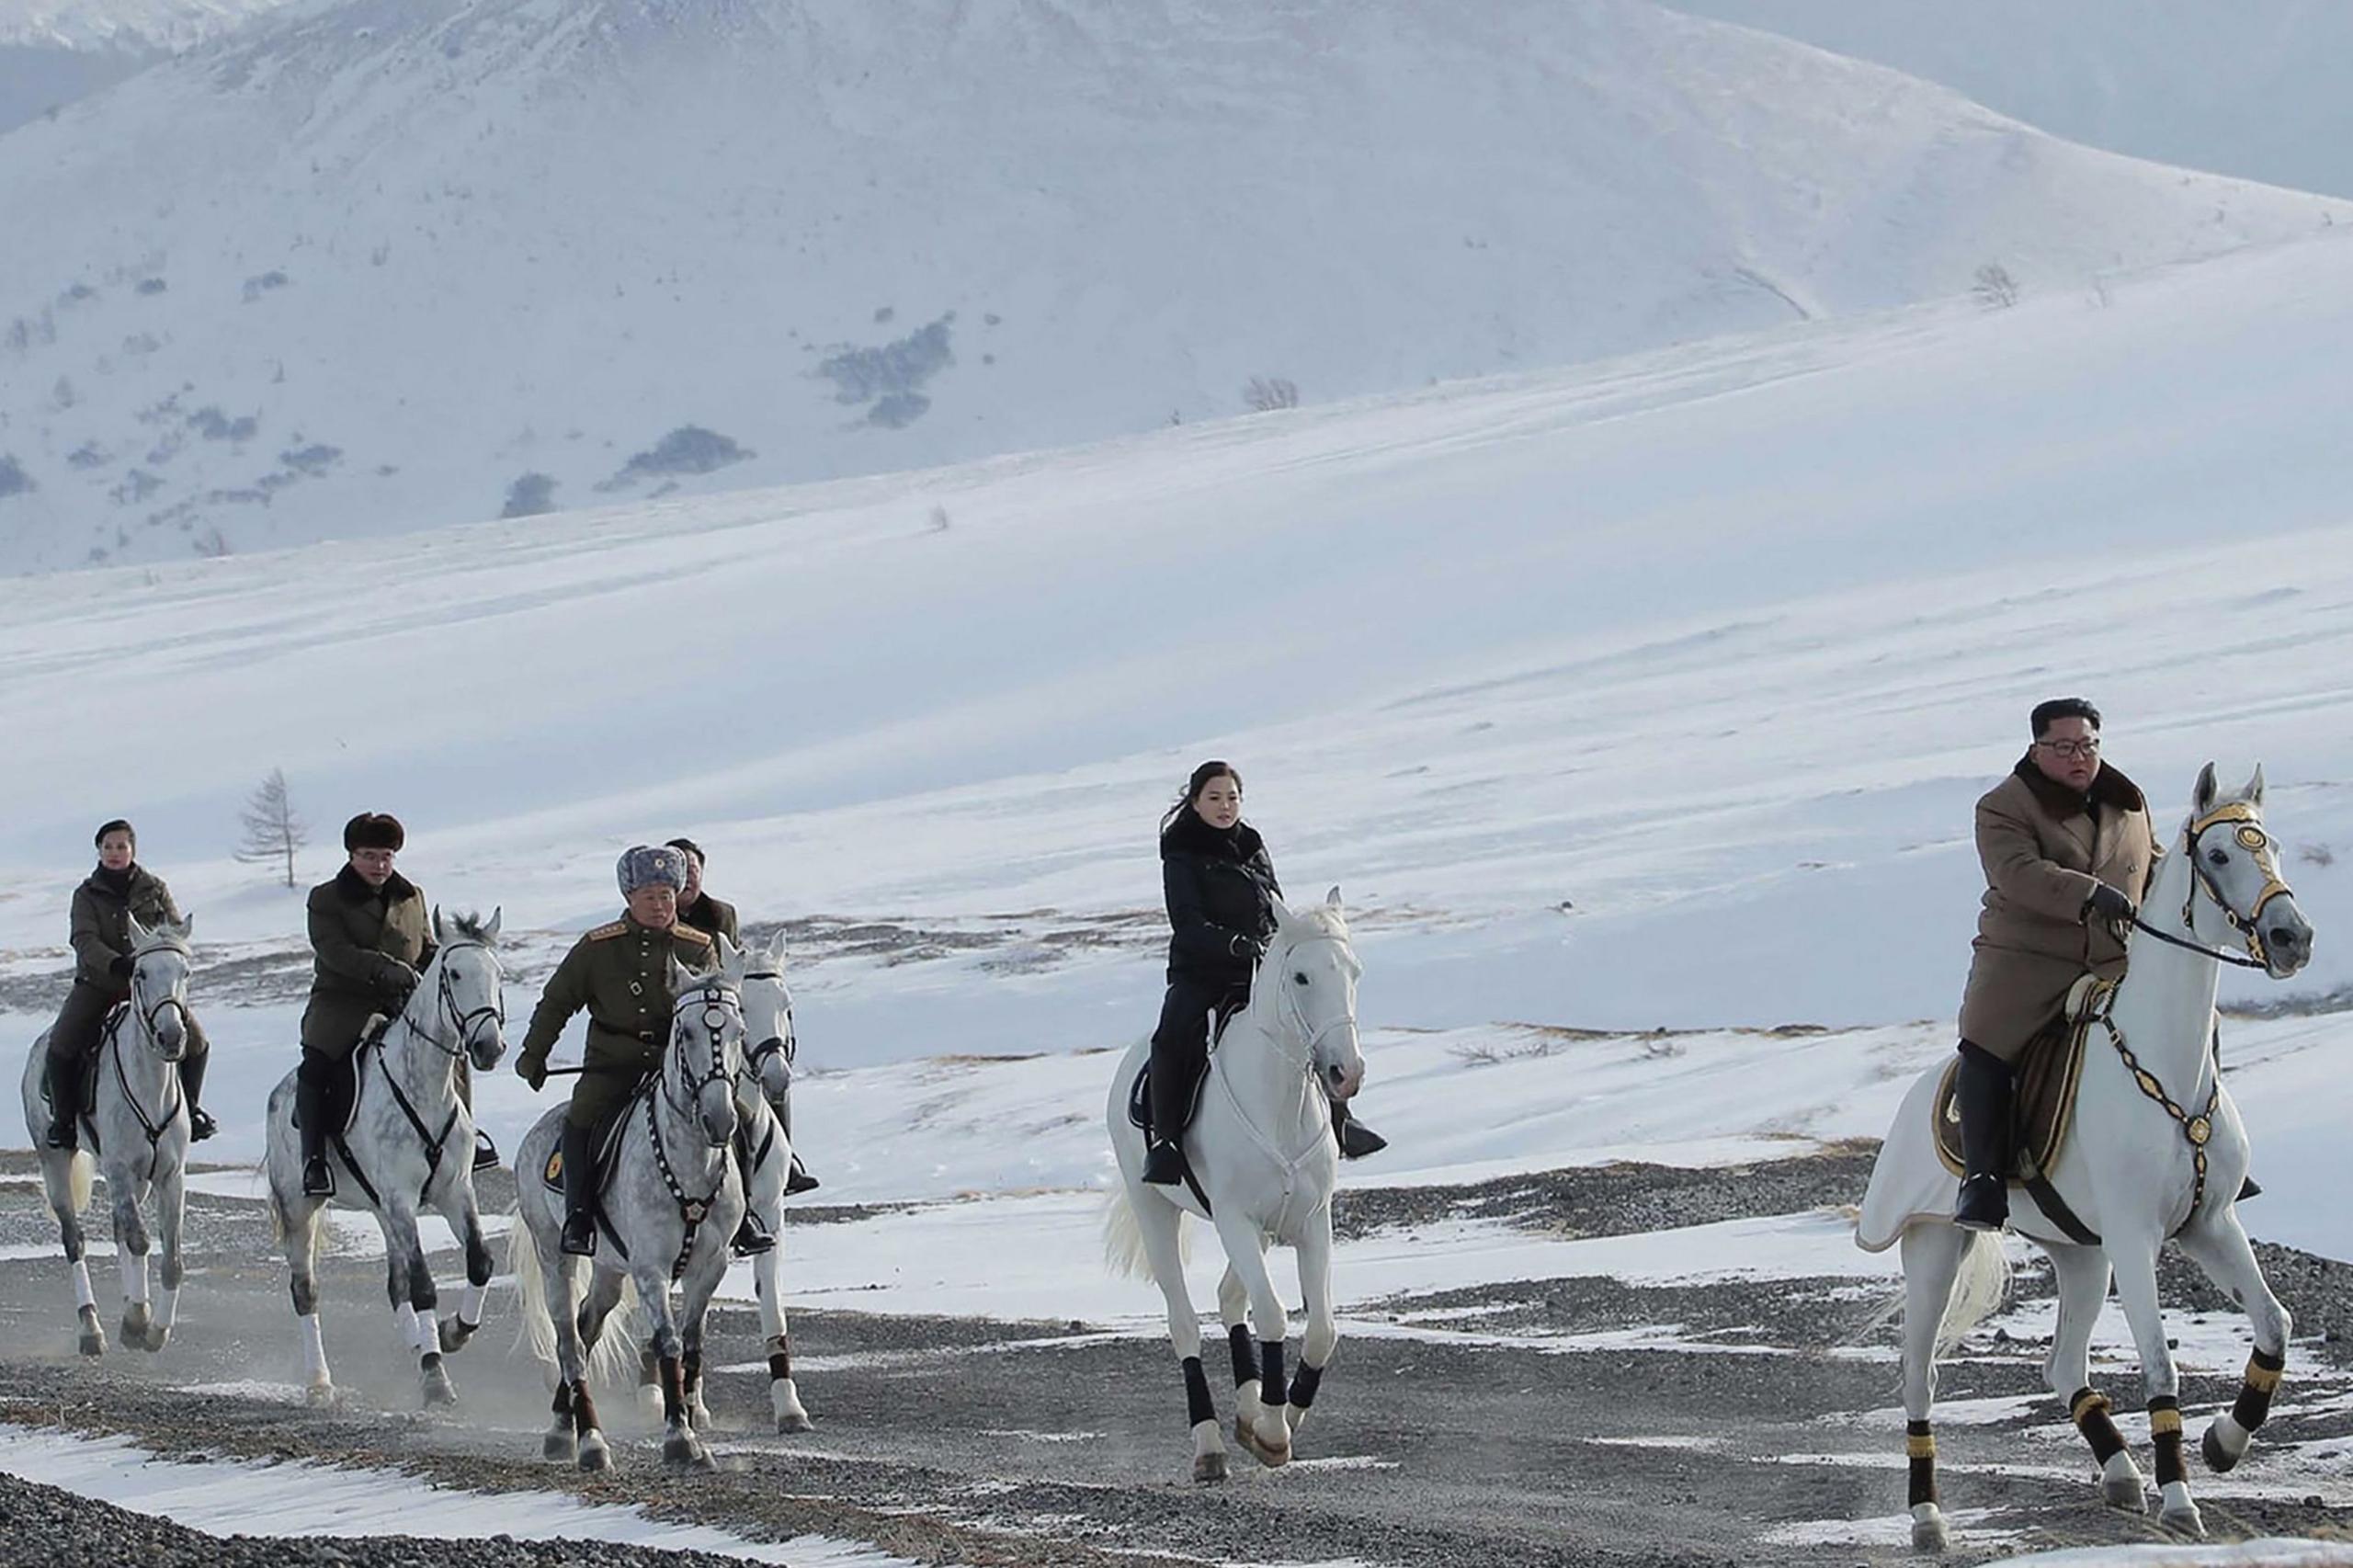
{"x":324,"y":1074}
{"x":1180,"y":1046}
{"x":74,"y":1040}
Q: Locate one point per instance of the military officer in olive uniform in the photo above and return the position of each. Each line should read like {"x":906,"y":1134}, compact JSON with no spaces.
{"x":371,"y":936}
{"x":699,"y":909}
{"x":620,"y":973}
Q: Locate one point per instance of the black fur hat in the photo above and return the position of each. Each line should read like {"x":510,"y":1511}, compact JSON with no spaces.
{"x":374,"y":830}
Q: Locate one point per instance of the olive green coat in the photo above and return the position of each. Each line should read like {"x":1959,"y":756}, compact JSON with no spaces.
{"x":368,"y":945}
{"x":620,"y":974}
{"x":101,"y":925}
{"x":714,"y":917}
{"x":2044,"y":850}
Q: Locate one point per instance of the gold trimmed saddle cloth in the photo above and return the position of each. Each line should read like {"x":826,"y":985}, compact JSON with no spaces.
{"x":2042,"y":1104}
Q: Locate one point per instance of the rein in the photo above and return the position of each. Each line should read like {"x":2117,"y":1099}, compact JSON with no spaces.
{"x":436,"y":1144}
{"x":1293,"y":1021}
{"x":154,"y":1128}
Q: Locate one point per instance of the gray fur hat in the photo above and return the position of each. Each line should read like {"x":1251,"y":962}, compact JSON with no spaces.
{"x":644,"y":866}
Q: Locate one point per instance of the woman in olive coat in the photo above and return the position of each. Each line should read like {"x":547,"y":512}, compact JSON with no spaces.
{"x":1220,"y":886}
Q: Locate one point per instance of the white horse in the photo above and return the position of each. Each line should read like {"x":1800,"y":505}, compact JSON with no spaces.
{"x":2156,"y":1150}
{"x":765,"y":1105}
{"x":408,"y":1147}
{"x":669,"y":1200}
{"x":137,"y":1125}
{"x":1262,"y":1149}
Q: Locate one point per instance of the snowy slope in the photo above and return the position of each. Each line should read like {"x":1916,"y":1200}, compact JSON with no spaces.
{"x":54,"y":52}
{"x":396,"y":265}
{"x":2254,"y":89}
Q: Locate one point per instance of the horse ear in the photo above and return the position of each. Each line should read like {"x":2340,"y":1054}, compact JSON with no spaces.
{"x":136,"y":932}
{"x":490,"y":927}
{"x":440,"y":929}
{"x":2204,"y":796}
{"x":682,"y":979}
{"x":187,"y":925}
{"x":730,"y":957}
{"x":2255,"y":786}
{"x":1332,"y":899}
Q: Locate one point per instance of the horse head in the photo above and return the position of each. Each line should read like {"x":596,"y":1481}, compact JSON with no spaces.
{"x":2236,"y":862}
{"x":160,"y":960}
{"x":767,"y":1020}
{"x":467,"y":986}
{"x":1311,"y":961}
{"x":706,"y":1056}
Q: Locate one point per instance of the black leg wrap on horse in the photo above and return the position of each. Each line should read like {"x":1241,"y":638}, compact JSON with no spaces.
{"x":2253,"y":1406}
{"x":1197,"y":1407}
{"x":1270,"y":1373}
{"x":1303,"y":1384}
{"x":562,"y":1405}
{"x":583,"y":1409}
{"x":2165,"y":1429}
{"x":2090,"y":1412}
{"x":690,"y":1372}
{"x":1246,"y":1353}
{"x":1920,"y":1450}
{"x":779,"y":1358}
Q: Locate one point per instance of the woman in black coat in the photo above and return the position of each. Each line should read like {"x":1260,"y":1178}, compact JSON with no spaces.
{"x":1221,"y":888}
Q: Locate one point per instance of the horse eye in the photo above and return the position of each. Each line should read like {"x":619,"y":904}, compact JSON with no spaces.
{"x":1301,"y":977}
{"x":2218,"y":857}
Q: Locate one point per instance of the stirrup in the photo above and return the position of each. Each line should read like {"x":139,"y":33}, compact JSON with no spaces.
{"x":579,"y":1237}
{"x":751,"y":1237}
{"x":1983,"y":1205}
{"x":1164,"y":1165}
{"x":797,"y":1179}
{"x":318,"y":1177}
{"x":201,"y":1124}
{"x":485,"y":1152}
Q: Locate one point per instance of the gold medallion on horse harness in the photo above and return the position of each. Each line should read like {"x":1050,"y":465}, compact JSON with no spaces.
{"x":2199,"y":1129}
{"x":2252,"y":838}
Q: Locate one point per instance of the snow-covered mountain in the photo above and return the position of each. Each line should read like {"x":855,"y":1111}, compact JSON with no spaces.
{"x":386,"y":265}
{"x":2254,"y":88}
{"x":55,"y":52}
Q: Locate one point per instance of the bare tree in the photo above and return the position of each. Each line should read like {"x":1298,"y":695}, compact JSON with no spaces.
{"x":1995,"y":289}
{"x":273,"y":829}
{"x":1264,"y":395}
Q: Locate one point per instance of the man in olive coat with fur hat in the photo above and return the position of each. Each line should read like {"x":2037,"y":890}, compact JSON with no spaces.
{"x":2068,"y":853}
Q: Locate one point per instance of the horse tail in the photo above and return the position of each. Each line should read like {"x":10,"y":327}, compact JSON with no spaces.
{"x":1124,"y":1250}
{"x":613,"y":1363}
{"x":81,"y":1175}
{"x":1979,"y":1289}
{"x":534,"y":1330}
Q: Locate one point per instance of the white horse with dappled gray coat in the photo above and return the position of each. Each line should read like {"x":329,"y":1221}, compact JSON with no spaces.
{"x":136,"y":1128}
{"x":1262,"y":1149}
{"x":669,"y":1201}
{"x":2157,"y":1152}
{"x":408,"y":1147}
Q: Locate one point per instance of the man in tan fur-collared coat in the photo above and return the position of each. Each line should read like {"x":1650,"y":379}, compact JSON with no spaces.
{"x":2068,"y":853}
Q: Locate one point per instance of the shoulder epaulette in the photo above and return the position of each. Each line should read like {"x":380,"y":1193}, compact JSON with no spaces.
{"x":603,"y":933}
{"x":689,"y":935}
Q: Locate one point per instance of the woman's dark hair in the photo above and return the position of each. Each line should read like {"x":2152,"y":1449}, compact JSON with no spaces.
{"x":2049,"y":714}
{"x":1200,"y":782}
{"x":117,"y":825}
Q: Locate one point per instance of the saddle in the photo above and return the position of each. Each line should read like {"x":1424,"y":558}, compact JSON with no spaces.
{"x":609,"y":1140}
{"x":87,"y":1071}
{"x":2042,"y":1103}
{"x":343,"y":1083}
{"x":1140,"y":1091}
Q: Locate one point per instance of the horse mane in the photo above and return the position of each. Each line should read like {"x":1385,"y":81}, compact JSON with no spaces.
{"x":1327,"y":920}
{"x":468,"y":924}
{"x":161,"y":939}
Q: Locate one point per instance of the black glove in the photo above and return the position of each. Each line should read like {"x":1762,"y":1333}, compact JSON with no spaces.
{"x":2111,"y":903}
{"x":399,"y":980}
{"x":1245,"y":947}
{"x":119,"y":966}
{"x":532,"y":1070}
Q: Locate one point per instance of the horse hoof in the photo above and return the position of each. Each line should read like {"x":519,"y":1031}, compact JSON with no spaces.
{"x":320,"y":1396}
{"x":684,"y":1452}
{"x":437,"y":1389}
{"x":134,"y":1328}
{"x":2184,"y":1521}
{"x":1208,"y":1467}
{"x":1928,"y":1532}
{"x":2120,"y":1485}
{"x":594,"y":1454}
{"x":560,"y":1448}
{"x":1273,"y":1455}
{"x":2219,"y":1458}
{"x":156,"y":1338}
{"x":455,"y":1333}
{"x":94,"y":1342}
{"x":793,"y":1421}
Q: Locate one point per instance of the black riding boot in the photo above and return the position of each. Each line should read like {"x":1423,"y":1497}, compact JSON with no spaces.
{"x":751,"y":1237}
{"x":798,"y":1181}
{"x":1356,"y":1139}
{"x":1983,"y":1094}
{"x":1163,"y":1160}
{"x":64,"y":1104}
{"x":201,"y":1124}
{"x":579,"y":1190}
{"x":311,"y":1114}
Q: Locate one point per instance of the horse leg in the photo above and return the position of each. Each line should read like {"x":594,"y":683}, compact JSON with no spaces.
{"x":1159,"y":1226}
{"x":131,"y":1252}
{"x":2082,"y":1273}
{"x":784,"y":1398}
{"x":1245,"y":1251}
{"x":62,"y":1175}
{"x":2136,"y":1260}
{"x":417,"y":1301}
{"x":695,"y":1415}
{"x":171,"y":1210}
{"x":1932,"y":1253}
{"x":300,"y":1227}
{"x":1234,"y":1310}
{"x":679,"y":1445}
{"x":1322,"y":1335}
{"x":2220,"y":1247}
{"x":575,"y":1435}
{"x":465,"y":1219}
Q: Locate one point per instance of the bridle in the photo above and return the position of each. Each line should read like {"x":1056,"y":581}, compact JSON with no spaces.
{"x":786,"y":1044}
{"x":149,"y":1017}
{"x":1294,"y":1017}
{"x":461,"y":1020}
{"x":717,"y":1001}
{"x":2252,"y":838}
